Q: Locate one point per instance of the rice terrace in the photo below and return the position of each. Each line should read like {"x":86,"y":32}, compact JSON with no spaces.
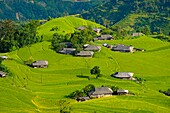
{"x":47,"y":90}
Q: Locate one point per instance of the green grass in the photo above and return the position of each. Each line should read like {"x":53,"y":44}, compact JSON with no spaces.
{"x":128,"y":21}
{"x":65,"y":25}
{"x":39,"y":90}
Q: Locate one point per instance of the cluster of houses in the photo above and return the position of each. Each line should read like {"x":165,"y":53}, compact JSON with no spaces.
{"x":102,"y":92}
{"x":122,"y":48}
{"x":106,"y":91}
{"x":88,"y":50}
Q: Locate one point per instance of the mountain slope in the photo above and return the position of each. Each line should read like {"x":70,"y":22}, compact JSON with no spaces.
{"x":136,"y":22}
{"x":64,"y":25}
{"x":40,"y":90}
{"x":41,"y":9}
{"x":156,"y":14}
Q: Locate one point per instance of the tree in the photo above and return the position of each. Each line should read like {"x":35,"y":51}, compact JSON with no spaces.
{"x":114,"y":89}
{"x":165,"y":92}
{"x":147,"y":30}
{"x":95,"y":71}
{"x":64,"y":106}
{"x":76,"y":94}
{"x":88,"y":88}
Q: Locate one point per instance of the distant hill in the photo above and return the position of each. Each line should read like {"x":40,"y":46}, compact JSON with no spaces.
{"x":156,"y":14}
{"x":136,"y":22}
{"x":106,"y":12}
{"x":63,"y":26}
{"x":41,"y":9}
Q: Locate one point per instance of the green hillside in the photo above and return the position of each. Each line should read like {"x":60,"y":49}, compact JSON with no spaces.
{"x":42,"y":9}
{"x":136,"y":22}
{"x":153,"y":13}
{"x":64,"y":25}
{"x":39,"y":90}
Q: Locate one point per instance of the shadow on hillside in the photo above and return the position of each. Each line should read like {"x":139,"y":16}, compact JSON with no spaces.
{"x":82,"y":76}
{"x":160,"y":49}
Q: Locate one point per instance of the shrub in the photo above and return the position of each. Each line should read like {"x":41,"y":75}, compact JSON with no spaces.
{"x":165,"y":92}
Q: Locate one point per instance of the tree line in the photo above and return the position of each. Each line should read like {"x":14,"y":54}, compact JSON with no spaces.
{"x":77,"y":39}
{"x":14,"y":35}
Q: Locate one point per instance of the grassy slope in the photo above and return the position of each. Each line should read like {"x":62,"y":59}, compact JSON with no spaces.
{"x":129,"y":21}
{"x":65,"y":25}
{"x":45,"y":87}
{"x":133,"y":21}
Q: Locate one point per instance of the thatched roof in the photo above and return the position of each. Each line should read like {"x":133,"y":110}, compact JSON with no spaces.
{"x":2,"y":74}
{"x":40,"y":62}
{"x":123,"y":74}
{"x":67,"y":50}
{"x":92,"y":48}
{"x":85,"y":53}
{"x":121,"y":47}
{"x":101,"y":91}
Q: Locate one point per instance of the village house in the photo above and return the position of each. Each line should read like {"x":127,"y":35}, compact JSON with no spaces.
{"x":97,"y":30}
{"x":81,"y":28}
{"x":43,"y":22}
{"x":85,"y":54}
{"x":40,"y":64}
{"x":105,"y":37}
{"x":2,"y":74}
{"x":66,"y":44}
{"x":136,"y":34}
{"x":122,"y":92}
{"x":92,"y":48}
{"x":3,"y":57}
{"x":123,"y":75}
{"x":101,"y":92}
{"x":123,"y":48}
{"x":80,"y":99}
{"x":67,"y":51}
{"x":105,"y":44}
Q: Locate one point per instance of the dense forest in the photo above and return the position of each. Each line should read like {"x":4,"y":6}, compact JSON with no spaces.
{"x":14,"y":35}
{"x":42,"y":9}
{"x":156,"y":14}
{"x":115,"y":10}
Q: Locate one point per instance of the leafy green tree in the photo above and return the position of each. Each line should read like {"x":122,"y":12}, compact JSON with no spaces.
{"x":77,"y":94}
{"x":165,"y":92}
{"x":147,"y":30}
{"x":114,"y":89}
{"x":56,"y":42}
{"x":88,"y":88}
{"x":95,"y":71}
{"x":64,"y":106}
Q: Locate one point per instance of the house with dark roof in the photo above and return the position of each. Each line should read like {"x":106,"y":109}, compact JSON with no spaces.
{"x":123,"y":75}
{"x":40,"y":64}
{"x":67,"y":51}
{"x":123,"y":48}
{"x":92,"y":48}
{"x":2,"y":74}
{"x":80,"y":99}
{"x":101,"y":92}
{"x":66,"y":44}
{"x":81,"y":28}
{"x":85,"y":54}
{"x":122,"y":92}
{"x":105,"y":37}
